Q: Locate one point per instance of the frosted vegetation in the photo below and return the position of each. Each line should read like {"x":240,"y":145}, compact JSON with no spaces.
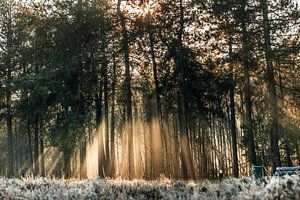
{"x":45,"y":188}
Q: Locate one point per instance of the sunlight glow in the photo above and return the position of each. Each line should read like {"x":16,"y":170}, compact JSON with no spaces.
{"x":138,"y":9}
{"x":92,"y":157}
{"x":58,"y":157}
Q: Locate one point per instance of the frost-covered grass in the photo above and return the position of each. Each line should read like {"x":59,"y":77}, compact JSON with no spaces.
{"x":45,"y":188}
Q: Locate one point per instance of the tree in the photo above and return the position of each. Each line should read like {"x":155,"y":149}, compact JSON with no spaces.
{"x":7,"y":52}
{"x":125,"y":48}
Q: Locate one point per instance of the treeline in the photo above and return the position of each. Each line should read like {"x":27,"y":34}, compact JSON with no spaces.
{"x":143,"y":89}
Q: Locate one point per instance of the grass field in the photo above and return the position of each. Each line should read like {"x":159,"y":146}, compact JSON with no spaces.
{"x":44,"y":188}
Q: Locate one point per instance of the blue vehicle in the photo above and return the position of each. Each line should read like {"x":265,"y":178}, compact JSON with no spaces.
{"x":281,"y":171}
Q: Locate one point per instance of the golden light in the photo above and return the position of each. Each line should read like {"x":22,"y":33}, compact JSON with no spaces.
{"x":138,"y":8}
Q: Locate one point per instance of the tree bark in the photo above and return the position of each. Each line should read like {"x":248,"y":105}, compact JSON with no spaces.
{"x":8,"y":93}
{"x":106,"y":119}
{"x":67,"y":164}
{"x":30,"y":146}
{"x":99,"y":131}
{"x":185,"y":156}
{"x":148,"y":139}
{"x":42,"y":155}
{"x":232,"y":117}
{"x":247,"y":88}
{"x":112,"y":120}
{"x":17,"y":147}
{"x":273,"y":107}
{"x":83,"y":163}
{"x":156,"y":118}
{"x":36,"y":146}
{"x":288,"y":154}
{"x":129,"y":123}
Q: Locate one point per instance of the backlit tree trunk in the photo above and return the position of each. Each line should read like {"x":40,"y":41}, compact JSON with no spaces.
{"x":185,"y":154}
{"x":36,"y":146}
{"x":29,"y":146}
{"x":125,"y":46}
{"x":247,"y":89}
{"x":156,"y":145}
{"x":112,"y":119}
{"x":273,"y":107}
{"x":8,"y":64}
{"x":235,"y":163}
{"x":99,"y":130}
{"x":42,"y":155}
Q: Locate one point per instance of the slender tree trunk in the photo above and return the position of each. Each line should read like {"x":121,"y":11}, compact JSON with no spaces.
{"x":247,"y":88}
{"x":83,"y":163}
{"x":176,"y":145}
{"x":17,"y":147}
{"x":186,"y":158}
{"x":67,"y":164}
{"x":30,"y":146}
{"x":286,"y":140}
{"x":128,"y":93}
{"x":9,"y":133}
{"x":100,"y":136}
{"x":112,"y":141}
{"x":288,"y":154}
{"x":148,"y":138}
{"x":154,"y":67}
{"x":112,"y":120}
{"x":106,"y":120}
{"x":42,"y":155}
{"x":8,"y":93}
{"x":36,"y":146}
{"x":273,"y":107}
{"x":232,"y":119}
{"x":156,"y":121}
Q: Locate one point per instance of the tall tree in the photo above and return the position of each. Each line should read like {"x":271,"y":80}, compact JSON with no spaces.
{"x":129,"y":122}
{"x":186,"y":159}
{"x":7,"y":51}
{"x":233,"y":115}
{"x":246,"y":60}
{"x":156,"y":121}
{"x":273,"y":107}
{"x":36,"y":146}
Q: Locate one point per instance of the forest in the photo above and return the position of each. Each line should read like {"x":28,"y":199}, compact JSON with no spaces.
{"x":148,"y":89}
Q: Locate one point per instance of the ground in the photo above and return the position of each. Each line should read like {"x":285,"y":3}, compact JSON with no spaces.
{"x":287,"y":187}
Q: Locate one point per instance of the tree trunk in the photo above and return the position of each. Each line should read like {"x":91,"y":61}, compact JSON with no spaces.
{"x":150,"y":138}
{"x":67,"y":164}
{"x":112,"y":120}
{"x":83,"y":164}
{"x":30,"y":147}
{"x":128,"y":93}
{"x":154,"y":67}
{"x":185,"y":156}
{"x":42,"y":156}
{"x":36,"y":146}
{"x":247,"y":88}
{"x":17,"y":147}
{"x":288,"y":154}
{"x":235,"y":163}
{"x":106,"y":120}
{"x":99,"y":131}
{"x":8,"y":94}
{"x":273,"y":107}
{"x":156,"y":119}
